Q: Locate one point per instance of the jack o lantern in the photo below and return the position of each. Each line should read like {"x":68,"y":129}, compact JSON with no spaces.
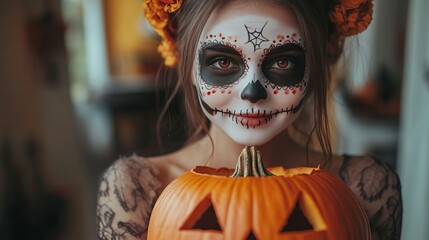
{"x":252,"y":203}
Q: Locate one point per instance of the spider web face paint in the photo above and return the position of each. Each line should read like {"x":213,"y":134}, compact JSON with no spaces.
{"x":247,"y":103}
{"x":255,"y":36}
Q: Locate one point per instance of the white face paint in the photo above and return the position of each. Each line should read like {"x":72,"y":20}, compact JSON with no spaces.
{"x":250,"y":72}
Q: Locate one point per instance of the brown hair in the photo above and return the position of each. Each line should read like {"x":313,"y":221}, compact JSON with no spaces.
{"x":317,"y":30}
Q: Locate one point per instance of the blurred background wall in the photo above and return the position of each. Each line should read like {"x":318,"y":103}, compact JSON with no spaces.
{"x":77,"y":90}
{"x":44,"y":180}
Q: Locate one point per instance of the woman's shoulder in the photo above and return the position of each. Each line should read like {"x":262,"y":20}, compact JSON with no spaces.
{"x":378,"y":188}
{"x":368,"y":174}
{"x":126,"y":174}
{"x":127,"y":192}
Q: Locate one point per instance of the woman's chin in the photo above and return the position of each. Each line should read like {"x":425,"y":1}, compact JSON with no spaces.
{"x":251,"y":137}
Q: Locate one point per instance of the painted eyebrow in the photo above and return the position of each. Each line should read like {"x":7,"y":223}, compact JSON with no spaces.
{"x":220,"y":48}
{"x":288,"y":47}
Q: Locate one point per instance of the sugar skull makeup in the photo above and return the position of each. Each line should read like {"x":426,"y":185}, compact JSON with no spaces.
{"x":250,"y":71}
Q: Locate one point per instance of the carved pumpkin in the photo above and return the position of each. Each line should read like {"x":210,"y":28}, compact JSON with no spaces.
{"x":299,"y":203}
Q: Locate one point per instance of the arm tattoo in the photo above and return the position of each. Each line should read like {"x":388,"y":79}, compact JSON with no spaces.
{"x":378,"y":188}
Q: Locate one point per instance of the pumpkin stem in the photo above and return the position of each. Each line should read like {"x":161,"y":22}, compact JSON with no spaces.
{"x":250,"y":164}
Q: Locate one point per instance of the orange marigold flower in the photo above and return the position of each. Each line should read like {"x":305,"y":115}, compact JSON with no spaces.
{"x":155,"y":14}
{"x":351,"y":21}
{"x":171,"y":5}
{"x":167,"y":49}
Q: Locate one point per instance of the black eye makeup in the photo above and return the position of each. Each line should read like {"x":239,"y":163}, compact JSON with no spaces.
{"x":284,"y":66}
{"x":220,"y":64}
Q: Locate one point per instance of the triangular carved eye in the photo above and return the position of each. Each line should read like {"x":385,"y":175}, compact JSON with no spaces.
{"x":297,"y":221}
{"x":203,"y":217}
{"x":251,"y":236}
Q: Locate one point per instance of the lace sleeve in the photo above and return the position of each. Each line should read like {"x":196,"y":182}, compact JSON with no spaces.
{"x":378,"y":188}
{"x":126,"y":196}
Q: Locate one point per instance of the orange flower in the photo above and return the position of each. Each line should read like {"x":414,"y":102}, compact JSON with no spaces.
{"x":158,"y":14}
{"x":351,"y":21}
{"x":167,"y":49}
{"x":171,"y":5}
{"x":155,"y":14}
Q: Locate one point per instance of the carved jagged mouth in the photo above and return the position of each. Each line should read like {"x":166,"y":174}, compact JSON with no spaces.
{"x":252,"y":118}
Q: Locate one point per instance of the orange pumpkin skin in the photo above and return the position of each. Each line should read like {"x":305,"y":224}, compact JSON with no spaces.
{"x":258,"y":205}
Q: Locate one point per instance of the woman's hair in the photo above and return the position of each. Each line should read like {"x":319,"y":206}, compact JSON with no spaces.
{"x":317,"y":31}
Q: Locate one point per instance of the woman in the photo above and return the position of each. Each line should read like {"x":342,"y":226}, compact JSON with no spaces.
{"x":250,"y":68}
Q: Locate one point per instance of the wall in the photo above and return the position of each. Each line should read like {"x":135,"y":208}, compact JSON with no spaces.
{"x":414,"y":132}
{"x":35,"y":108}
{"x":130,"y":47}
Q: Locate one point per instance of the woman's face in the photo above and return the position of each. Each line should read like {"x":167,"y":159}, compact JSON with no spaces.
{"x":250,"y":71}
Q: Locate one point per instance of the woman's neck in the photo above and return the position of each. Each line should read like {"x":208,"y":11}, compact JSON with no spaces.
{"x":280,"y":151}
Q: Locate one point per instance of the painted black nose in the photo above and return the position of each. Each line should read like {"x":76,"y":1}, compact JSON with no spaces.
{"x":254,"y":91}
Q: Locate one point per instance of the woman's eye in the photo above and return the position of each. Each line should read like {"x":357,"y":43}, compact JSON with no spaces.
{"x":223,"y":64}
{"x":283,"y":64}
{"x":220,"y":65}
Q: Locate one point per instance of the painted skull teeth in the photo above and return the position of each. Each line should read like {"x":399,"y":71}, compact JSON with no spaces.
{"x":255,"y":118}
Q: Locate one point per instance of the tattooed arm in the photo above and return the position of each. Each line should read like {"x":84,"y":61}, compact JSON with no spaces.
{"x":378,"y":188}
{"x":126,"y":195}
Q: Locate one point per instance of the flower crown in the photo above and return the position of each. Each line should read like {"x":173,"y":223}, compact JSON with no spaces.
{"x":349,"y":17}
